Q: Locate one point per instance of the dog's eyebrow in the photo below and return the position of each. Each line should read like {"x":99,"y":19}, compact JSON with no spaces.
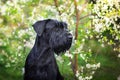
{"x":46,"y":21}
{"x":63,"y":25}
{"x":56,"y":23}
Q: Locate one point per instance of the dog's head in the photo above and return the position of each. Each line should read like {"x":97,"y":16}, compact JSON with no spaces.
{"x":55,"y":32}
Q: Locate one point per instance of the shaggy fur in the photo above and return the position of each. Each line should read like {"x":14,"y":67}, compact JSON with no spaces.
{"x":52,"y":37}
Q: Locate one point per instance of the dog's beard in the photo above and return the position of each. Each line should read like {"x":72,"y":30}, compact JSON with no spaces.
{"x":62,"y":48}
{"x":60,"y":43}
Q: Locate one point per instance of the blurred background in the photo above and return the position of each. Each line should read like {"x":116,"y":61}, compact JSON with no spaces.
{"x":95,"y":25}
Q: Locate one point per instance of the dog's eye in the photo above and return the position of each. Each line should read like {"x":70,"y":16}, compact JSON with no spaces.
{"x":66,"y":27}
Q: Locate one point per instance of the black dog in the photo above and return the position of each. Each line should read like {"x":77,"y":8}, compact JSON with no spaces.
{"x":52,"y":36}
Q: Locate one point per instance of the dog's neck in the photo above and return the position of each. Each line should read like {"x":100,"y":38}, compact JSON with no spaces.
{"x":41,"y":45}
{"x":42,"y":51}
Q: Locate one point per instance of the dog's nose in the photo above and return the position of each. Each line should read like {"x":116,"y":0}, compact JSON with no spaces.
{"x":70,"y":36}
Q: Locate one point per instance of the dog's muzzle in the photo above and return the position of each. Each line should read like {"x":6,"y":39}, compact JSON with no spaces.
{"x":70,"y":37}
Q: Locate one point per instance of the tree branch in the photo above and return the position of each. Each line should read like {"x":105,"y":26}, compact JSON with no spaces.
{"x":76,"y":36}
{"x":56,"y":4}
{"x":84,"y":16}
{"x":77,"y":19}
{"x":76,"y":33}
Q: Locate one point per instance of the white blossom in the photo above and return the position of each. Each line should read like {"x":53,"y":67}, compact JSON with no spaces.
{"x":88,"y":66}
{"x":23,"y":70}
{"x":68,"y":55}
{"x":102,"y":45}
{"x":80,"y":78}
{"x":118,"y":78}
{"x":82,"y":56}
{"x":119,"y":55}
{"x":69,"y":63}
{"x":83,"y":40}
{"x":98,"y":27}
{"x":60,"y":59}
{"x":98,"y":65}
{"x":77,"y":74}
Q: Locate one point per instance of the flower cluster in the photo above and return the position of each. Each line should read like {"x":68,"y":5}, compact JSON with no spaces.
{"x":106,"y":20}
{"x":91,"y":67}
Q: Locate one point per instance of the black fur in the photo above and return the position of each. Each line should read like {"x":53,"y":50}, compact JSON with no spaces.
{"x":52,"y":36}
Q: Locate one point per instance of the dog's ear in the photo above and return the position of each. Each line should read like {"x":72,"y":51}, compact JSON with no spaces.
{"x":39,"y":27}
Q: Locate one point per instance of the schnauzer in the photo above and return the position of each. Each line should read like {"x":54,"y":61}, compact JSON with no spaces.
{"x":52,"y":37}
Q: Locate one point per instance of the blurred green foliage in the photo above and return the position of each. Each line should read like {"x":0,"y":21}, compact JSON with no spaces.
{"x":17,"y":37}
